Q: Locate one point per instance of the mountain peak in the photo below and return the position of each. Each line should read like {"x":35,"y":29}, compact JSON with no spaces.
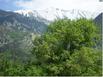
{"x":53,"y":13}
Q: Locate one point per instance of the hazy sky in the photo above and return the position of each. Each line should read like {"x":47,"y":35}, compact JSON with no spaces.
{"x":88,"y":5}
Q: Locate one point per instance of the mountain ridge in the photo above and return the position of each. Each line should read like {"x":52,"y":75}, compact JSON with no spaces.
{"x":53,"y":13}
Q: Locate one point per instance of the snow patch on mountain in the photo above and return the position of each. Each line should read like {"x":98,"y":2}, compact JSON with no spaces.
{"x":52,"y":13}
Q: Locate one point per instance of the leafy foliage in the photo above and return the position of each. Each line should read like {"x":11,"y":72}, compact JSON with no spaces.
{"x":68,"y":48}
{"x":65,"y":42}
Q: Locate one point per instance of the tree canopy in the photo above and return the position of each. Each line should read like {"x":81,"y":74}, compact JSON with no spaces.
{"x":69,"y":48}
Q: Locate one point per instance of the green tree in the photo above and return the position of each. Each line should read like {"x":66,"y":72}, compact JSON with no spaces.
{"x":86,"y":61}
{"x":63,"y":39}
{"x":10,"y":66}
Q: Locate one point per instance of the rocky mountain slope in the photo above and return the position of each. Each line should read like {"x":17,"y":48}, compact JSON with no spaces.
{"x":15,"y":29}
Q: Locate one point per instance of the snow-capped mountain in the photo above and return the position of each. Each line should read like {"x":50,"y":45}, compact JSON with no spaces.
{"x":53,"y":13}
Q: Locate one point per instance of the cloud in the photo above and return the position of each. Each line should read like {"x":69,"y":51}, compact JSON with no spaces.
{"x":32,"y":4}
{"x":89,"y":5}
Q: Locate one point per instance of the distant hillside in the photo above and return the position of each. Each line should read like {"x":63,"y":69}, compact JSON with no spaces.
{"x":16,"y":31}
{"x":99,"y":22}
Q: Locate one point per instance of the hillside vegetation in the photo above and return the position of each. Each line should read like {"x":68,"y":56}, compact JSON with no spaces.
{"x":67,"y":48}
